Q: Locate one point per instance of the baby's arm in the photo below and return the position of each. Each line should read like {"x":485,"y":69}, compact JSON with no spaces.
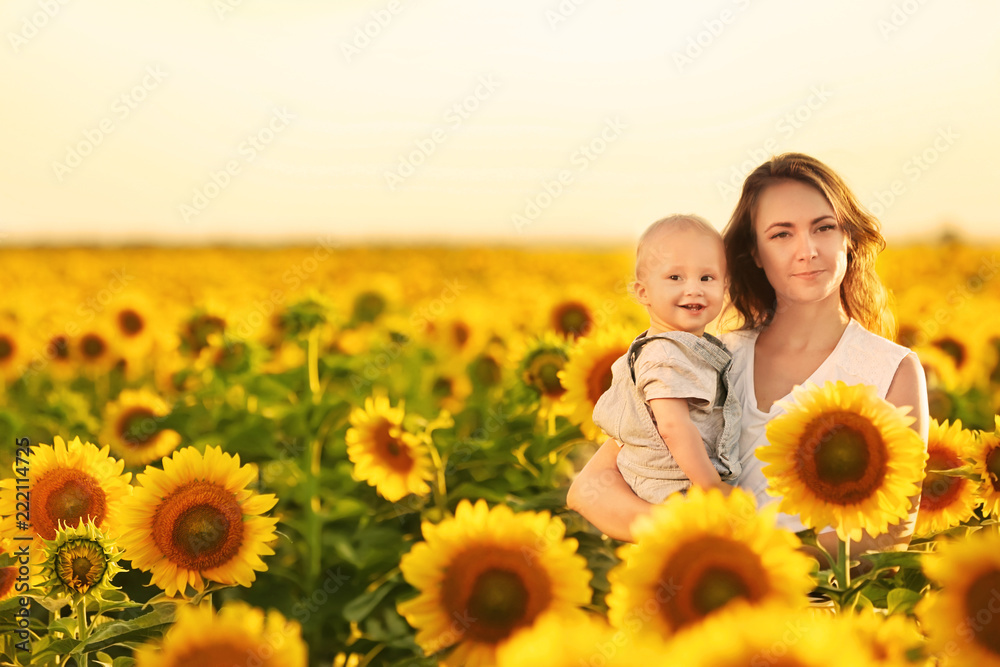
{"x":682,"y":438}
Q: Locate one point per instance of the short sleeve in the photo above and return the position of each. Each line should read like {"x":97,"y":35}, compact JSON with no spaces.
{"x":668,"y":369}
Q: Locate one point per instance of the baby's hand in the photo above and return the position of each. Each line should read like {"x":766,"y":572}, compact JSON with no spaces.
{"x":725,"y":488}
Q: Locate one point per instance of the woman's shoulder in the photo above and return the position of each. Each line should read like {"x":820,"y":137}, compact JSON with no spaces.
{"x":867,"y":358}
{"x":737,"y":342}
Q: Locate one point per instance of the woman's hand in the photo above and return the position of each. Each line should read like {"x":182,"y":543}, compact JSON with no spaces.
{"x":602,"y":496}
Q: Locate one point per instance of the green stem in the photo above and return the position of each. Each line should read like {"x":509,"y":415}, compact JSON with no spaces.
{"x":81,"y":619}
{"x":440,"y":487}
{"x":313,"y":354}
{"x":314,"y":520}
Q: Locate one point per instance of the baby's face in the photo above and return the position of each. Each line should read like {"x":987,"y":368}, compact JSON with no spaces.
{"x":682,"y":280}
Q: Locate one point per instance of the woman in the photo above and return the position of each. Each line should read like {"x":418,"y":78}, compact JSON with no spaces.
{"x":801,"y":254}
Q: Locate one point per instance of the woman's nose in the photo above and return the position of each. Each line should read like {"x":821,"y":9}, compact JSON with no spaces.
{"x":807,"y":246}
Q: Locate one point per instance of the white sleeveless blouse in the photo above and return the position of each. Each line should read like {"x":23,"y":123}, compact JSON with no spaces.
{"x":860,"y":357}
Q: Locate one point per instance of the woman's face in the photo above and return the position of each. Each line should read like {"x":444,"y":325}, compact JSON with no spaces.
{"x":801,"y":245}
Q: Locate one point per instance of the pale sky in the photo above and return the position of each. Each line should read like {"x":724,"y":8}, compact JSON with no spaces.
{"x":481,"y":121}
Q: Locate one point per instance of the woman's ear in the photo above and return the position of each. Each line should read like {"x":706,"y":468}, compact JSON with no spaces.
{"x":756,"y":257}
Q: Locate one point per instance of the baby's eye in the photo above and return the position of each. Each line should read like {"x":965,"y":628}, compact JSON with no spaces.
{"x":707,"y":278}
{"x":674,"y":277}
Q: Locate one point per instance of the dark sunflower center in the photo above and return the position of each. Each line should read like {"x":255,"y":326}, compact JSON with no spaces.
{"x":92,"y":346}
{"x":137,"y":427}
{"x":6,"y":348}
{"x":80,"y":564}
{"x":8,"y":575}
{"x":460,"y":333}
{"x":223,"y":651}
{"x":390,"y":450}
{"x":716,"y":588}
{"x":953,"y":348}
{"x":491,"y":592}
{"x":58,"y":347}
{"x":993,"y":462}
{"x":442,"y":387}
{"x":980,"y":601}
{"x":600,"y":376}
{"x":231,"y":357}
{"x":939,"y":491}
{"x":907,"y":335}
{"x":995,"y":372}
{"x":201,"y":327}
{"x":842,"y":455}
{"x":706,"y":574}
{"x":368,"y":306}
{"x":201,"y":529}
{"x":572,"y":319}
{"x":498,"y":598}
{"x":68,"y":496}
{"x":842,"y":458}
{"x":543,"y":373}
{"x":199,"y":526}
{"x":81,"y":567}
{"x":130,"y":322}
{"x":485,"y":371}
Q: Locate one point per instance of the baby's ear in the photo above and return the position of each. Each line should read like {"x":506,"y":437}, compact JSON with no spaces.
{"x":639,"y":292}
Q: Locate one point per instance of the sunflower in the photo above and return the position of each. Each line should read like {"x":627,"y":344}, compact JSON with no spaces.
{"x":237,"y":634}
{"x":887,"y":639}
{"x":538,"y":361}
{"x":12,"y":349}
{"x":571,"y":318}
{"x":8,"y":581}
{"x":196,"y":330}
{"x":770,"y":634}
{"x":93,"y":351}
{"x":392,"y":460}
{"x":195,"y":520}
{"x":841,"y":456}
{"x":69,"y":484}
{"x":985,"y":457}
{"x":80,"y":562}
{"x":487,"y":573}
{"x":132,"y":427}
{"x":946,"y":500}
{"x":573,"y":640}
{"x":57,"y":357}
{"x":962,"y":619}
{"x":450,"y":387}
{"x":587,"y":375}
{"x":698,"y":553}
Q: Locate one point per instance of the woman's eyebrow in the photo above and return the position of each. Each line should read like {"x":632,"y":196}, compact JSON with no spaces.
{"x":790,"y":224}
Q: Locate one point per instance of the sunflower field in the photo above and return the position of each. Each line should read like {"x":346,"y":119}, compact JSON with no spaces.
{"x":360,"y":456}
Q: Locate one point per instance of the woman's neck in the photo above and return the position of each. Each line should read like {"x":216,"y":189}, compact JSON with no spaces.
{"x":808,"y":326}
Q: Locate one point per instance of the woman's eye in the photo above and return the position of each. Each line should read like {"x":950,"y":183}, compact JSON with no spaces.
{"x":780,"y":235}
{"x":826,"y":228}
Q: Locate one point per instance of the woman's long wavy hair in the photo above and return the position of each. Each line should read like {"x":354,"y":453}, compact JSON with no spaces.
{"x":862,"y":293}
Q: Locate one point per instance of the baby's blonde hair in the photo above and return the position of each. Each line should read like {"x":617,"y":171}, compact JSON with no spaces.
{"x":672,"y":223}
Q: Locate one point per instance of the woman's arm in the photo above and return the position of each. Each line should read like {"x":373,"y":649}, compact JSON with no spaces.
{"x":908,"y":387}
{"x":603,"y":497}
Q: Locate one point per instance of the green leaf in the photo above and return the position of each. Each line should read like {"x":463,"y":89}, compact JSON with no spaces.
{"x":360,"y":607}
{"x":147,"y":626}
{"x":883,"y":560}
{"x":902,"y":600}
{"x":46,"y":648}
